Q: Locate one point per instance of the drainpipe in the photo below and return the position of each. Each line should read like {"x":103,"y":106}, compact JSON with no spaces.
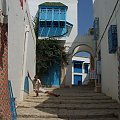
{"x":24,"y":61}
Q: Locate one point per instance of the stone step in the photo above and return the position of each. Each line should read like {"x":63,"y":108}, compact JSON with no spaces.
{"x":46,"y":97}
{"x":97,"y":119}
{"x":60,"y":101}
{"x":66,"y":119}
{"x":45,"y":119}
{"x":72,"y":94}
{"x":64,"y":113}
{"x":76,"y":103}
{"x":69,"y":88}
{"x":70,"y":106}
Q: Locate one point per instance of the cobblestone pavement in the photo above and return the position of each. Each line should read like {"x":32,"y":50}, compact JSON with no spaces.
{"x":76,"y":103}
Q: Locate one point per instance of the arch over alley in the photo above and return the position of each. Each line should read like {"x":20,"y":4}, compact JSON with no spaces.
{"x":80,"y":44}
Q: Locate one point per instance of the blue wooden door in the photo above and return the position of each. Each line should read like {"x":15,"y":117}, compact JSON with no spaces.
{"x":53,"y":76}
{"x":77,"y":79}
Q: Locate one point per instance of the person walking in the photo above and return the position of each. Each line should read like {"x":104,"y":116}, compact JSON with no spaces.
{"x":37,"y":86}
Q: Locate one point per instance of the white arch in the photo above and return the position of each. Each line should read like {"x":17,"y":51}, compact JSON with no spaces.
{"x":81,"y":43}
{"x":83,"y":48}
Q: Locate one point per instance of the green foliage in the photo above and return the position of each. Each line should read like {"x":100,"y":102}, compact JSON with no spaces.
{"x":91,"y":31}
{"x":48,"y":53}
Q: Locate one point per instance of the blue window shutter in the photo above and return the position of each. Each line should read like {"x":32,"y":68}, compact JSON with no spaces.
{"x":112,"y":39}
{"x":86,"y":68}
{"x":78,"y":67}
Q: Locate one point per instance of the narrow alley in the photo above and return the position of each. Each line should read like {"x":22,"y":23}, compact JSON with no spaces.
{"x":76,"y":103}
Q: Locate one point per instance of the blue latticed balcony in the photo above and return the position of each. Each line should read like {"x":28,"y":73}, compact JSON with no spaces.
{"x":52,"y":19}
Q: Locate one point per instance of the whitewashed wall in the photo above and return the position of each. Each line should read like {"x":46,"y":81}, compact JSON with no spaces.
{"x":109,"y":64}
{"x":17,"y":64}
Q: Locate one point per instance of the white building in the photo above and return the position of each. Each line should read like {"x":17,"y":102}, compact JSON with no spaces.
{"x":107,"y":31}
{"x":71,"y":18}
{"x":80,"y":69}
{"x":72,"y":8}
{"x":21,"y":46}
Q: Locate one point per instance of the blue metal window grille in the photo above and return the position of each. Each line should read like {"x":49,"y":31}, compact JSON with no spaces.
{"x":112,"y":39}
{"x":62,"y":24}
{"x":12,"y":102}
{"x":49,"y":23}
{"x":55,"y":24}
{"x":96,"y":28}
{"x":78,"y":67}
{"x":42,"y":24}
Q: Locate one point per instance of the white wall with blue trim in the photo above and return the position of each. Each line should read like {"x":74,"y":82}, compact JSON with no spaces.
{"x":21,"y":49}
{"x":108,"y":16}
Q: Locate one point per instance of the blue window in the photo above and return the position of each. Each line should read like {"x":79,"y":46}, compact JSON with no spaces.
{"x":56,"y":14}
{"x":112,"y":39}
{"x":78,"y":67}
{"x":42,"y":24}
{"x":49,"y":23}
{"x":62,"y":24}
{"x":52,"y":19}
{"x":43,"y":14}
{"x":55,"y":24}
{"x":49,"y":14}
{"x":62,"y":14}
{"x":86,"y":67}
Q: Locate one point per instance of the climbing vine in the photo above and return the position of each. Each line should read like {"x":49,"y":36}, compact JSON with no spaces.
{"x":49,"y":52}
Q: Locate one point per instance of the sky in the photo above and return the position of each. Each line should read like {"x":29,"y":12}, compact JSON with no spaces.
{"x":85,"y":16}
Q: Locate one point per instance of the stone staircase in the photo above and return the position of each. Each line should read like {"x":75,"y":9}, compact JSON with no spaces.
{"x":76,"y":103}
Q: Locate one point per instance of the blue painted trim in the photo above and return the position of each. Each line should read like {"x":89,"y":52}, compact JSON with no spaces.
{"x":77,"y":79}
{"x":26,"y":85}
{"x":12,"y":102}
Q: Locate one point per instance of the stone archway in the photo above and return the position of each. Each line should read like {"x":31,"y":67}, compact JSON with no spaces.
{"x":81,"y":43}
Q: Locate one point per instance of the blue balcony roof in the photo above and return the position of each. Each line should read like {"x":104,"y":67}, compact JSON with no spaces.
{"x":53,"y":4}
